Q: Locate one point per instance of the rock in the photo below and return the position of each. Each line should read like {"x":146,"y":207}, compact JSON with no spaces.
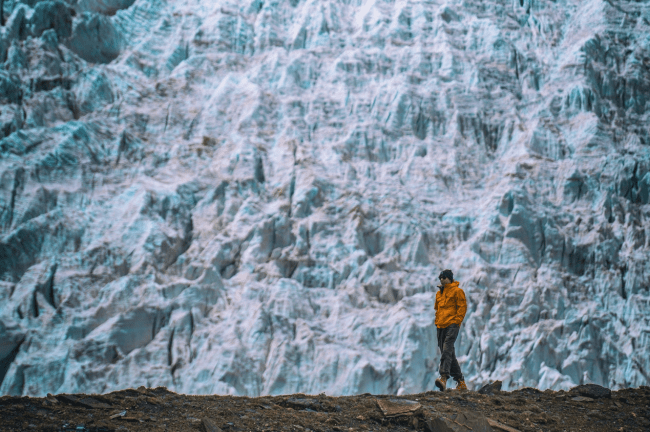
{"x":490,"y":389}
{"x":93,"y":403}
{"x":50,"y":401}
{"x":69,"y":399}
{"x":86,"y":402}
{"x":300,"y":403}
{"x":398,"y":407}
{"x":131,"y":419}
{"x":442,"y":424}
{"x":501,"y":427}
{"x":592,"y":391}
{"x":460,"y":422}
{"x":582,"y":399}
{"x":209,"y":425}
{"x":597,"y":414}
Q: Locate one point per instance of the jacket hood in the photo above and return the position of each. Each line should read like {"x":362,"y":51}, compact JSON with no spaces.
{"x":450,"y":285}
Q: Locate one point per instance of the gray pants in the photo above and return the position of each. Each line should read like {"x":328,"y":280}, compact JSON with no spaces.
{"x":448,"y":363}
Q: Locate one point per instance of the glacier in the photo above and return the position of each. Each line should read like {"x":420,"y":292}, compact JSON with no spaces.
{"x":256,"y":197}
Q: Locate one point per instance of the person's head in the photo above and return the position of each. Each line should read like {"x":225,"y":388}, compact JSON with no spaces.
{"x":446,"y":277}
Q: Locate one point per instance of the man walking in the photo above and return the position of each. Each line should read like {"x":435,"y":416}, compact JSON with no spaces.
{"x":450,"y":312}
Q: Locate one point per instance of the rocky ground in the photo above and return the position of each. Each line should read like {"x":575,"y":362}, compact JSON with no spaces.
{"x":145,"y":409}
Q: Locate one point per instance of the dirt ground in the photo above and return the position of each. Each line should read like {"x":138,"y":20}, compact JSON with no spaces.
{"x":161,"y":410}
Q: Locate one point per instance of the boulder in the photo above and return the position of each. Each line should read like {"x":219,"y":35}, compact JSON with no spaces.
{"x":593,"y":391}
{"x":490,"y":389}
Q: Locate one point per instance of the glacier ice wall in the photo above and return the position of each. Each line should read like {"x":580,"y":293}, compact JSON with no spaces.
{"x":255,"y":197}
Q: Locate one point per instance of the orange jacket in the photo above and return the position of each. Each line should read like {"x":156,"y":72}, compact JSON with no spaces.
{"x":450,"y":305}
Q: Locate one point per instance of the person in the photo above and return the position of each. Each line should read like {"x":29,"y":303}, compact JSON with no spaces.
{"x":450,"y":307}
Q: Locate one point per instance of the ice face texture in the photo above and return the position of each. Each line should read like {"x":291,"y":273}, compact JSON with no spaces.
{"x":256,"y":197}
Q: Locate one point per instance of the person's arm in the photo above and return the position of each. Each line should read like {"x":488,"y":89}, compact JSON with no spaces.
{"x":461,"y":307}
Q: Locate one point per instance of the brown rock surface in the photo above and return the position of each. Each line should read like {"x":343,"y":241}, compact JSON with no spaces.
{"x":159,"y":409}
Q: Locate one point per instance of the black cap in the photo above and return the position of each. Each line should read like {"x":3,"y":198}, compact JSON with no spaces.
{"x":446,"y":274}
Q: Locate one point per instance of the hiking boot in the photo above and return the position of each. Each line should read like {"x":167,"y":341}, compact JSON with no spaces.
{"x":461,"y":386}
{"x":441,"y":383}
